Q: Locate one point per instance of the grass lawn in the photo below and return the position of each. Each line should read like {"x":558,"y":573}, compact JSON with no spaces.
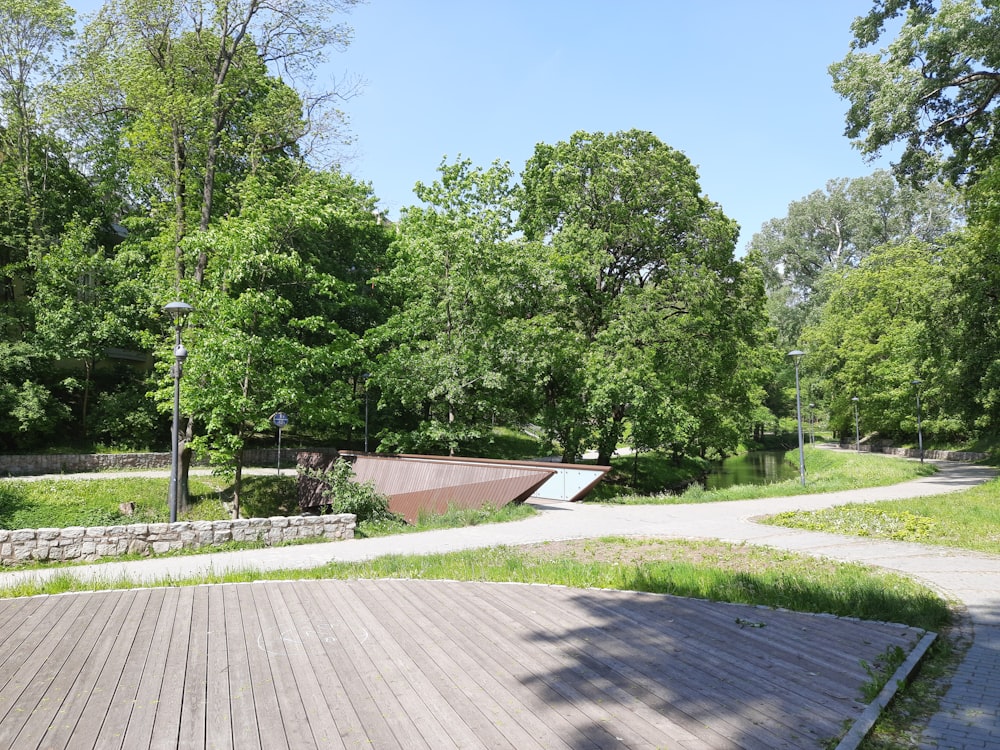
{"x":826,"y":471}
{"x":969,"y":519}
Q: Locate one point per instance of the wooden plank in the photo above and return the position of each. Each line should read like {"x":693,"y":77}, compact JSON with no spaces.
{"x":292,"y":715}
{"x":657,"y":684}
{"x":430,"y":712}
{"x":378,"y":680}
{"x":218,"y":710}
{"x":523,"y":660}
{"x":736,"y":685}
{"x":191,"y":733}
{"x":347,"y":679}
{"x":244,"y":718}
{"x":265,"y":697}
{"x":147,"y":710}
{"x":127,"y":674}
{"x":315,"y":630}
{"x":37,"y":666}
{"x":83,"y":711}
{"x":299,"y":640}
{"x":41,"y":615}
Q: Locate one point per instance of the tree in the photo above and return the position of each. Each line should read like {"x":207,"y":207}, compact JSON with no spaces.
{"x":451,"y":355}
{"x":934,"y":88}
{"x":268,"y":337}
{"x":834,"y":229}
{"x":644,"y":270}
{"x":881,"y":328}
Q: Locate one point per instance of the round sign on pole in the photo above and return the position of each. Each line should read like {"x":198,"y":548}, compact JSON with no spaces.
{"x":280,"y":419}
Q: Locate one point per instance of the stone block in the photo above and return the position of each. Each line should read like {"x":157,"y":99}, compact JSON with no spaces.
{"x":23,"y":535}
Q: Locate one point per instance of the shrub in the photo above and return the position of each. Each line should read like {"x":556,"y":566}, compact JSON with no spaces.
{"x":348,"y":496}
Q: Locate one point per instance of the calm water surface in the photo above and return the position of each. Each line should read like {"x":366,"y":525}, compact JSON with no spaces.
{"x":756,"y":467}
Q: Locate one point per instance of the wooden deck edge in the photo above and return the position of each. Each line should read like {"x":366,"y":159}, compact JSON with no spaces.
{"x":870,"y":715}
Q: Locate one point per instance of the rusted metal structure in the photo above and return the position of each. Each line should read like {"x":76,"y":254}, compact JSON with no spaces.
{"x":432,"y":484}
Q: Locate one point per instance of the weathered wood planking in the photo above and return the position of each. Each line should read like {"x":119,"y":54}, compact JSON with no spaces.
{"x":424,"y":664}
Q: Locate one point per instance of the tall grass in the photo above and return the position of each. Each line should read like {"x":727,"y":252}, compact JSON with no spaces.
{"x":729,"y":573}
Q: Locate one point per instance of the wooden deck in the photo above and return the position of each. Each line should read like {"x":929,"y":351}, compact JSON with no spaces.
{"x":424,"y":664}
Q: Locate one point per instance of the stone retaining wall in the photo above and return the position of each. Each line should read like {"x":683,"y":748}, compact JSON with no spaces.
{"x":92,"y":543}
{"x":22,"y":465}
{"x":967,"y":456}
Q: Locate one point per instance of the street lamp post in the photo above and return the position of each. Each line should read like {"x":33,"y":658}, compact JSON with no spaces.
{"x":179,"y":311}
{"x":365,"y":377}
{"x":797,"y":355}
{"x":857,"y":431}
{"x":920,"y":433}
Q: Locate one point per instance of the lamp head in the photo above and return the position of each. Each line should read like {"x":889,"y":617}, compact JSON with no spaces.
{"x":178,"y":311}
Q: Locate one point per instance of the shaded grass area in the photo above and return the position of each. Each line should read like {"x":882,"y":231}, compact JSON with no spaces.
{"x":826,"y":471}
{"x":969,"y":519}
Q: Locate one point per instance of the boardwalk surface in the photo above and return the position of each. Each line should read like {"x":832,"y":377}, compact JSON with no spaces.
{"x":425,"y":664}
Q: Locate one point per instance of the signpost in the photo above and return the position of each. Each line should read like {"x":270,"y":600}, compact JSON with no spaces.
{"x":280,"y":420}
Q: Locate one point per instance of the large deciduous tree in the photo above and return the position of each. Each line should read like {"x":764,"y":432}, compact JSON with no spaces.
{"x":934,"y":88}
{"x":883,"y":326}
{"x":650,"y":296}
{"x":833,"y":230}
{"x":451,"y":354}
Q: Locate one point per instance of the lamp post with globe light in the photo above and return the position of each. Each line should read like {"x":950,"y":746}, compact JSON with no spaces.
{"x":857,"y":432}
{"x":179,"y":312}
{"x":797,"y":355}
{"x":920,"y":433}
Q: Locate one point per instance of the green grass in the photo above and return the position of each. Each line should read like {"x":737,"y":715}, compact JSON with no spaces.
{"x":453,"y":518}
{"x":826,"y":471}
{"x":57,"y":503}
{"x":969,"y":519}
{"x":709,"y":570}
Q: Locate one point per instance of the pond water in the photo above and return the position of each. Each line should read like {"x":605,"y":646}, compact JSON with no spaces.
{"x":756,"y":467}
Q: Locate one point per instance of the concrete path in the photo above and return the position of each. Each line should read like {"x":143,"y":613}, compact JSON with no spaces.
{"x":970,"y":715}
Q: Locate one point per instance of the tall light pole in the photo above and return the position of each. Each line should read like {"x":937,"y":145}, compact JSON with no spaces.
{"x":365,"y":377}
{"x":179,"y":311}
{"x":797,"y":355}
{"x":920,"y":434}
{"x":857,"y":431}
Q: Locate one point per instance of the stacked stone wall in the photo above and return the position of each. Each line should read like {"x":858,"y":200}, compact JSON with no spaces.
{"x":95,"y":542}
{"x":966,"y":456}
{"x":22,"y":465}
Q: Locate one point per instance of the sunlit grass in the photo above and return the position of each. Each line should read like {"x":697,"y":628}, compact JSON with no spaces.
{"x":969,"y":519}
{"x":714,"y":571}
{"x":826,"y":471}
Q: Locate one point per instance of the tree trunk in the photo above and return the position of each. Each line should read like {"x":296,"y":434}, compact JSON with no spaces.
{"x":237,"y":484}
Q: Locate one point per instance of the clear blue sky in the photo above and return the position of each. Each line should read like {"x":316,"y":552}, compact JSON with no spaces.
{"x":740,"y":87}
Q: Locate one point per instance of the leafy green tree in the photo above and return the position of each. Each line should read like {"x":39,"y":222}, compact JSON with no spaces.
{"x":933,"y":89}
{"x":266,"y":336}
{"x":834,"y":229}
{"x":462,"y":286}
{"x":973,"y":318}
{"x":644,"y":277}
{"x":880,"y":329}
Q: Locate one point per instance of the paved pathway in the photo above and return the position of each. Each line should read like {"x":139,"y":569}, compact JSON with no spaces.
{"x":970,"y":716}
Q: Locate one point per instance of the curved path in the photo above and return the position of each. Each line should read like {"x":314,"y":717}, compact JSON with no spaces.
{"x":970,"y":715}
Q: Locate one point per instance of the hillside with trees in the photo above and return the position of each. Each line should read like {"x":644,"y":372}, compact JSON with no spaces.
{"x":177,"y":150}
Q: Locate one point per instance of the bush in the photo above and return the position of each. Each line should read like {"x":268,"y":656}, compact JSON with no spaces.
{"x":347,"y":496}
